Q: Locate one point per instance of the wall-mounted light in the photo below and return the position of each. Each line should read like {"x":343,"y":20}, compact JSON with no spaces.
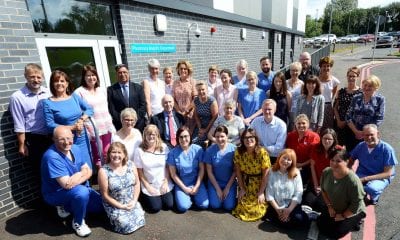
{"x":197,"y":31}
{"x":263,"y":35}
{"x":243,"y":33}
{"x":278,"y":37}
{"x":160,"y":23}
{"x":299,"y":40}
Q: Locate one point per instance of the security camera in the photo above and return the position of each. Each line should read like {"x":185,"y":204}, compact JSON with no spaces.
{"x":197,"y":32}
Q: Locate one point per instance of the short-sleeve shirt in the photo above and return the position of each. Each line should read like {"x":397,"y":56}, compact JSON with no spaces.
{"x":251,"y":102}
{"x":327,"y":88}
{"x":55,"y":165}
{"x":373,"y":163}
{"x":303,"y":146}
{"x":186,"y":163}
{"x":221,"y":162}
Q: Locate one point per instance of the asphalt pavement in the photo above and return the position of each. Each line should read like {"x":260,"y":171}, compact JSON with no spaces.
{"x":43,"y":222}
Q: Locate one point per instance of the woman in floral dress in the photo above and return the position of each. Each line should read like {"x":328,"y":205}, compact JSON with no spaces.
{"x":120,"y":188}
{"x":251,"y":166}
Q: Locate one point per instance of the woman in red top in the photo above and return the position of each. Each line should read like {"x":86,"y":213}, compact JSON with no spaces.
{"x":301,"y":140}
{"x":319,"y":161}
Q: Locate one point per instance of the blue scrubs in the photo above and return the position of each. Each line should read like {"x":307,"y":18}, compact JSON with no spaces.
{"x":187,"y":168}
{"x":222,"y":166}
{"x":373,"y":163}
{"x":77,"y":200}
{"x":251,"y":103}
{"x":264,"y":82}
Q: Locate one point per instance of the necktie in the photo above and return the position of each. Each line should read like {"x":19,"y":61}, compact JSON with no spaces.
{"x":172,"y":134}
{"x":125,"y":93}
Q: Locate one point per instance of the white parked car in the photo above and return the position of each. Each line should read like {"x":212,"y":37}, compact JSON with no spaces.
{"x":324,"y":38}
{"x":351,"y":38}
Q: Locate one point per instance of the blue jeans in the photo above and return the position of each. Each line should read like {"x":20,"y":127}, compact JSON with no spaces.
{"x":77,"y":201}
{"x":228,"y":203}
{"x":374,"y":188}
{"x":184,"y":201}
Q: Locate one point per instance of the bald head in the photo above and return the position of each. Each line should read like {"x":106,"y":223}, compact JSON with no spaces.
{"x":63,"y":138}
{"x":305,"y":60}
{"x":168,"y":103}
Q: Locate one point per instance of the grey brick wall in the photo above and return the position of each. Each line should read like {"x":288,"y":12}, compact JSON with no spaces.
{"x":224,"y":47}
{"x":17,"y":47}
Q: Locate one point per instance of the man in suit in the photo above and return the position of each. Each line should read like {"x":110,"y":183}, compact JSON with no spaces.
{"x":168,"y":119}
{"x":126,"y":93}
{"x":307,"y":68}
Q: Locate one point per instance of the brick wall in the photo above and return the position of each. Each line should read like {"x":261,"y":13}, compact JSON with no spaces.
{"x":17,"y":47}
{"x":224,"y":47}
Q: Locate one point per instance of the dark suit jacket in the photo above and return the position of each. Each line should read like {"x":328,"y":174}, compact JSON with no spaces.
{"x":159,"y":121}
{"x":117,"y":103}
{"x":303,"y":76}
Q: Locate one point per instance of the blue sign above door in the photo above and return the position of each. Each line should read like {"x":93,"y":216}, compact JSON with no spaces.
{"x":152,"y":48}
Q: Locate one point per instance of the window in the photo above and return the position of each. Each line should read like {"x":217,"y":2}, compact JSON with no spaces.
{"x":73,"y":17}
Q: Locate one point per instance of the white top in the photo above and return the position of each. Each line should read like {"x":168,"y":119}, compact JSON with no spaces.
{"x":154,"y":168}
{"x":131,"y":144}
{"x":211,"y":86}
{"x":157,"y":92}
{"x":327,"y":87}
{"x":296,"y":92}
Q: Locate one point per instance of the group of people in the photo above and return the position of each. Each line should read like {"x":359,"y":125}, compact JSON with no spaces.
{"x":262,"y":146}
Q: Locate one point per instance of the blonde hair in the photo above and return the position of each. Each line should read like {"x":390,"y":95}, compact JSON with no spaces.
{"x":295,"y":65}
{"x":128,"y":112}
{"x":374,"y":81}
{"x":252,"y":74}
{"x":188,"y":65}
{"x":149,"y":129}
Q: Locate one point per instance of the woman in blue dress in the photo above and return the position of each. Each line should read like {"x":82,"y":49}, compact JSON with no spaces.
{"x":250,"y":99}
{"x":65,"y":108}
{"x":120,"y":188}
{"x":222,"y":184}
{"x":187,"y":170}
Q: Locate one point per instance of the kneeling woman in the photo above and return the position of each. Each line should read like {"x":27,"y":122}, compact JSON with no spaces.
{"x":151,"y":160}
{"x":343,"y":194}
{"x":251,"y":167}
{"x":221,"y":176}
{"x":187,"y":170}
{"x":285,"y":190}
{"x":120,"y":188}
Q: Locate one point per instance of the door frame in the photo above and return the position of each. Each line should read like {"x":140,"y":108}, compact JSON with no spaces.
{"x":98,"y":54}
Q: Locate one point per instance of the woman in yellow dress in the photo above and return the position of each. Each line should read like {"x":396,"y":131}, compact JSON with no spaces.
{"x":251,"y":165}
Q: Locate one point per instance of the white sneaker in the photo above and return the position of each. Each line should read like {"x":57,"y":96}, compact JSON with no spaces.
{"x":61,"y":212}
{"x":81,"y":230}
{"x":312,"y":215}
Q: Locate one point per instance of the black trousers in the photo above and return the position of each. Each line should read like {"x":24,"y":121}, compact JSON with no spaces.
{"x":153,"y":204}
{"x":37,"y":144}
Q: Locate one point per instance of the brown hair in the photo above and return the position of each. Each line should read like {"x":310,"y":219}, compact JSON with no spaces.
{"x":326,"y":60}
{"x":188,"y":65}
{"x":180,"y":131}
{"x":89,"y":68}
{"x":57,"y":74}
{"x":242,"y":148}
{"x":120,"y":146}
{"x":312,"y":79}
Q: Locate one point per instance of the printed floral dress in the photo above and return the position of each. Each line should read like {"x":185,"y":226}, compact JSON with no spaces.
{"x":121,"y":189}
{"x":251,"y":167}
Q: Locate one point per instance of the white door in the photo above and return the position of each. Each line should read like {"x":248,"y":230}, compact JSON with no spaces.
{"x":70,"y":55}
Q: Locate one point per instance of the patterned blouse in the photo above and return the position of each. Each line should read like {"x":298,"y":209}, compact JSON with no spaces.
{"x":344,"y":100}
{"x":361,"y":113}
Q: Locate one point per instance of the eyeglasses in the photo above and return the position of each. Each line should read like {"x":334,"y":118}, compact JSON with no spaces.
{"x":64,"y":140}
{"x":249,"y":138}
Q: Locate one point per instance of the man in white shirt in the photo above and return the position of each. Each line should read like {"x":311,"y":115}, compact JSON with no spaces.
{"x":270,"y":129}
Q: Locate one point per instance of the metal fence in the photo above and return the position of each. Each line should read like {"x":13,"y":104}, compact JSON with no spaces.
{"x":315,"y":56}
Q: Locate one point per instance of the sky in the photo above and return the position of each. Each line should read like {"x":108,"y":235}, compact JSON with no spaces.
{"x":319,"y":5}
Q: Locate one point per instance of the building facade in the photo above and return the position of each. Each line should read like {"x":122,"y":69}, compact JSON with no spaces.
{"x":69,"y":34}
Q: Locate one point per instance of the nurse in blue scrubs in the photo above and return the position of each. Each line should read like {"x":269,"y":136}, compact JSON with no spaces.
{"x":186,"y":167}
{"x":221,"y":175}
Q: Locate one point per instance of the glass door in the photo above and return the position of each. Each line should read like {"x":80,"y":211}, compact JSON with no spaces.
{"x":70,"y":55}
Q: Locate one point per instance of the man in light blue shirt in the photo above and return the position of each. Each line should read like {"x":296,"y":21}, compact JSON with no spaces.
{"x":270,"y":129}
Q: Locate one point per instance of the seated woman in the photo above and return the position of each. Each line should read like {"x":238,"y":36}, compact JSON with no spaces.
{"x":302,"y":140}
{"x":284,"y":191}
{"x":222,"y":185}
{"x":128,"y":135}
{"x":226,"y":91}
{"x":205,"y":113}
{"x":250,"y":99}
{"x":150,"y":159}
{"x":311,"y":103}
{"x":343,"y":195}
{"x":251,"y":168}
{"x":282,"y":96}
{"x":319,"y":161}
{"x":187,"y":170}
{"x":234,"y":123}
{"x":120,"y":188}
